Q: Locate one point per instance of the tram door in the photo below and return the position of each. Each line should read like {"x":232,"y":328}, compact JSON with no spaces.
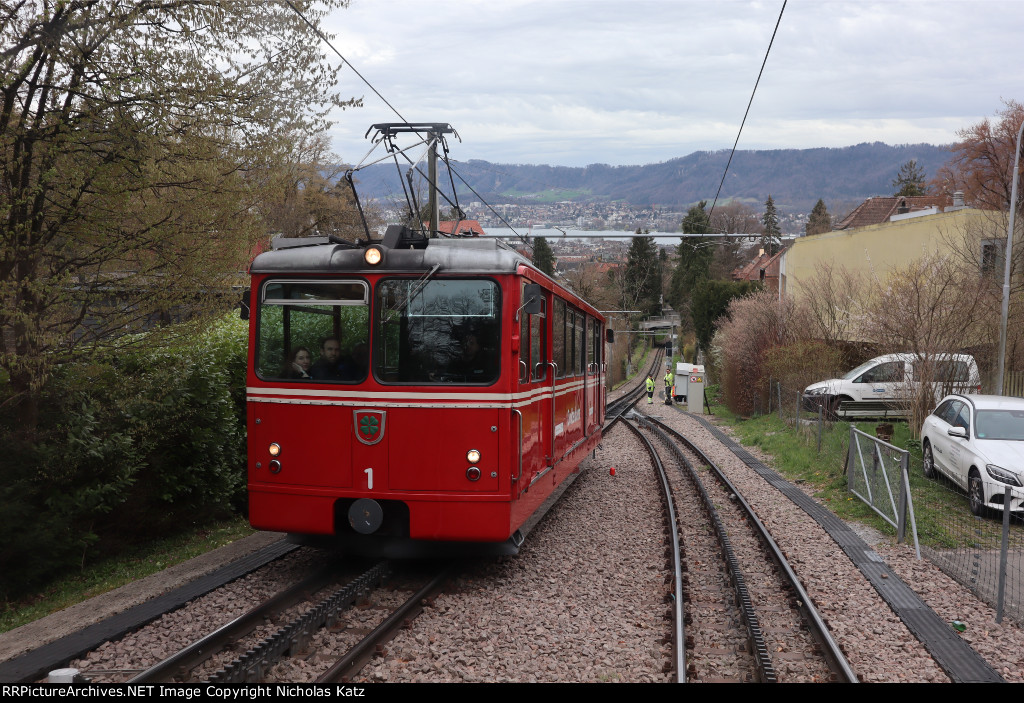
{"x":534,"y":379}
{"x":593,"y":385}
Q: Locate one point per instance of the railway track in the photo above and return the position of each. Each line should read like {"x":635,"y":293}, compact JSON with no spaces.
{"x":747,"y":617}
{"x":620,"y":405}
{"x":312,"y":623}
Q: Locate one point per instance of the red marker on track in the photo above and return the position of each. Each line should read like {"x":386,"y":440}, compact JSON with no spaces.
{"x":612,"y":471}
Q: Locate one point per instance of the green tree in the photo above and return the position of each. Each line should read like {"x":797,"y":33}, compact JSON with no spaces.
{"x":819,"y":221}
{"x":697,"y":220}
{"x":641,"y":281}
{"x":771,"y":240}
{"x":543,"y":257}
{"x":711,"y":301}
{"x":910,"y":180}
{"x":695,"y":257}
{"x":137,"y":142}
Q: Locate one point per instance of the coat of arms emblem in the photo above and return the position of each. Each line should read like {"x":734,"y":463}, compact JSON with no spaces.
{"x":369,"y":425}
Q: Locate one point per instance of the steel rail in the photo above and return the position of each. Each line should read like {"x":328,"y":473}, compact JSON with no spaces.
{"x":833,"y":654}
{"x":679,"y":636}
{"x":763,"y":664}
{"x":294,"y":636}
{"x":368,"y":647}
{"x":201,"y":650}
{"x":620,"y":405}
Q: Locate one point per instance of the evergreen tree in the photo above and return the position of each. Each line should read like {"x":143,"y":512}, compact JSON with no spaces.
{"x":642,"y":284}
{"x":695,"y":256}
{"x":910,"y":180}
{"x":543,"y":256}
{"x":711,"y":301}
{"x":819,"y":221}
{"x":771,"y":240}
{"x":697,"y":220}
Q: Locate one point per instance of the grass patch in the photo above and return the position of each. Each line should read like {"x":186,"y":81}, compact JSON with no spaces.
{"x":795,"y":456}
{"x":112,"y":573}
{"x":550,"y":195}
{"x":940,"y":508}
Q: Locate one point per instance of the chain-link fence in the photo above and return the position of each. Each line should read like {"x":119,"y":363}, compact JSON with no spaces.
{"x":983,"y":552}
{"x":809,"y":416}
{"x":975,"y":550}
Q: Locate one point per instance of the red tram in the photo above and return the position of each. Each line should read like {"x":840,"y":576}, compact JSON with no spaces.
{"x":416,"y":392}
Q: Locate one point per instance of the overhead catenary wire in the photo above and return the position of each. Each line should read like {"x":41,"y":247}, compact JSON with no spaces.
{"x":327,"y":41}
{"x":751,"y":102}
{"x":496,"y":214}
{"x":324,"y":39}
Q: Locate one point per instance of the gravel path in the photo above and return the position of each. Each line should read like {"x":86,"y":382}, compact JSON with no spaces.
{"x":583,"y":601}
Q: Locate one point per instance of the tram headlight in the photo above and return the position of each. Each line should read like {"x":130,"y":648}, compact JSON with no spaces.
{"x":473,"y":456}
{"x":274,"y":449}
{"x":373,"y":256}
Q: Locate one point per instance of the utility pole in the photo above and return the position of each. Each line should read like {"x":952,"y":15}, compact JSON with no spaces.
{"x":1005,"y":311}
{"x":432,"y":178}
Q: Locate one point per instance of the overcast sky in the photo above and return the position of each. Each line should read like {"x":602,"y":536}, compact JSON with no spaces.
{"x":574,"y":82}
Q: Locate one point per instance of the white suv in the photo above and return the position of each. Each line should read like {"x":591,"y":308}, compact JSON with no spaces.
{"x":978,"y":442}
{"x":884,"y":386}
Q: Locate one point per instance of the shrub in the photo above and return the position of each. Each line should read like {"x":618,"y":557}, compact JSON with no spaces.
{"x":753,"y":326}
{"x":711,"y":301}
{"x":133,"y":445}
{"x":802,"y":362}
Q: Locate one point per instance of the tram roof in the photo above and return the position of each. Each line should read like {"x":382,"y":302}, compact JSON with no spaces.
{"x":451,"y":255}
{"x":458,"y":255}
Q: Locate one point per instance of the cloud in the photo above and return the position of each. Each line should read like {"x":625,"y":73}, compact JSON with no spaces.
{"x":582,"y":81}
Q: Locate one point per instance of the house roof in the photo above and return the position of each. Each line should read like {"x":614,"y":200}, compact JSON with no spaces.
{"x":769,"y":263}
{"x":606,"y":266}
{"x":877,"y":210}
{"x":467,"y":228}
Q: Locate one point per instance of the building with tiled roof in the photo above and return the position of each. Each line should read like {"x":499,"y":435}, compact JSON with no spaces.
{"x":467,"y":228}
{"x":877,"y":210}
{"x":764,"y":267}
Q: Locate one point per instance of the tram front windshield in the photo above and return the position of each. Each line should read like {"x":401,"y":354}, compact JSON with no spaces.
{"x":315,"y":331}
{"x":440,"y":331}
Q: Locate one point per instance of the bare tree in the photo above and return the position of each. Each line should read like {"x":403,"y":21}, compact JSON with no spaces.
{"x":834,"y":299}
{"x":931,"y":306}
{"x":135,"y":141}
{"x":982,"y":162}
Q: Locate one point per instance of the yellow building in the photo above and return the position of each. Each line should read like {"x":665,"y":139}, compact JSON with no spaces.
{"x":875,"y":250}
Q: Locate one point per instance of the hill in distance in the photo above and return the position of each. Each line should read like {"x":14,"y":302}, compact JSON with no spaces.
{"x":795,"y":178}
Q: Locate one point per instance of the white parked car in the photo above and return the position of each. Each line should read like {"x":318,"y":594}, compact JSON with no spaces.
{"x":978,"y":442}
{"x":883,"y":386}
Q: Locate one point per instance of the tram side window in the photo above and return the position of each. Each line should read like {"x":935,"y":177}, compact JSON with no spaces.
{"x":438,"y":331}
{"x":538,"y":347}
{"x":581,"y":351}
{"x":313,"y":331}
{"x":570,"y":342}
{"x":595,"y":344}
{"x":558,"y":338}
{"x":532,"y":346}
